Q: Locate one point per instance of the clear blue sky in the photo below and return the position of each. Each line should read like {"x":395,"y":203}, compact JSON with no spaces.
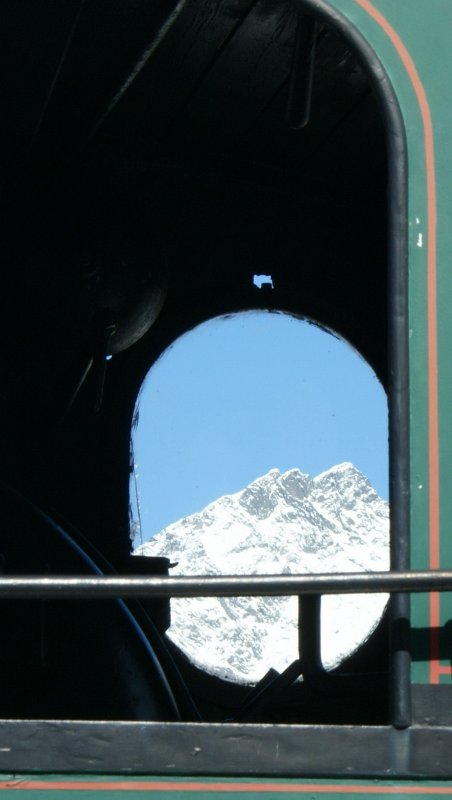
{"x":242,"y":394}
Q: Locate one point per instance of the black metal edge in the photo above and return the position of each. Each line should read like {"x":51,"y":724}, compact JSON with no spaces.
{"x":172,"y":749}
{"x":398,"y":382}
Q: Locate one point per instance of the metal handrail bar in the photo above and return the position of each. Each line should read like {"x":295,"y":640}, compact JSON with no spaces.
{"x":111,"y":586}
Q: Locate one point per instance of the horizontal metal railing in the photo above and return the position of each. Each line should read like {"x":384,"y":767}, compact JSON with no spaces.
{"x":111,"y":586}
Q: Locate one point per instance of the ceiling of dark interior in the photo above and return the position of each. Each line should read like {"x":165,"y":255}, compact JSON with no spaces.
{"x":165,"y":128}
{"x":147,"y":144}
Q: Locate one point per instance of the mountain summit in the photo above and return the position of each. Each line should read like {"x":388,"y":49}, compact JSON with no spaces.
{"x":280,"y":523}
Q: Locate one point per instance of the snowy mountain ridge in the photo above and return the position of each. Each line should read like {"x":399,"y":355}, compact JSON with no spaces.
{"x":280,"y":523}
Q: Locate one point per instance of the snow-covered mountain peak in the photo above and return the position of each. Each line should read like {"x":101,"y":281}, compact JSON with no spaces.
{"x":260,"y":498}
{"x":344,"y":476}
{"x":296,"y":483}
{"x":279,"y":523}
{"x":338,"y":469}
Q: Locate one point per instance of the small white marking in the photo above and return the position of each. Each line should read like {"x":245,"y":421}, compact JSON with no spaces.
{"x":5,"y":749}
{"x":420,"y":486}
{"x":419,"y":240}
{"x":418,"y":221}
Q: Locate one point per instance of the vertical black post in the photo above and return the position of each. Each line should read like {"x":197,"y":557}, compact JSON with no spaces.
{"x":309,"y":637}
{"x":398,"y":385}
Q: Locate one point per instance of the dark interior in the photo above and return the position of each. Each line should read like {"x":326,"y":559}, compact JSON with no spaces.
{"x":155,"y":156}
